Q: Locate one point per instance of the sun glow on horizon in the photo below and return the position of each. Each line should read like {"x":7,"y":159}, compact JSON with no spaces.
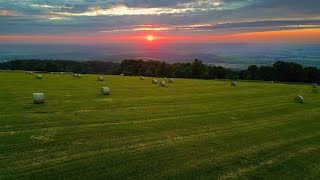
{"x":150,"y":38}
{"x":308,"y":36}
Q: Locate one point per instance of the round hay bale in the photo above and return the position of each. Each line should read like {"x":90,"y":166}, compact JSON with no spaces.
{"x":299,"y":99}
{"x":314,"y":86}
{"x":162,"y":84}
{"x":100,"y":78}
{"x":39,"y":76}
{"x":75,"y":75}
{"x":122,"y":74}
{"x":78,"y":75}
{"x":141,"y":78}
{"x":314,"y":90}
{"x":38,"y":98}
{"x":105,"y":90}
{"x":271,"y":82}
{"x":233,"y":83}
{"x":170,"y":80}
{"x":154,"y":81}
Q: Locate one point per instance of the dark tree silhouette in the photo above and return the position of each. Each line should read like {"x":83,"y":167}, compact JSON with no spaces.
{"x":280,"y":71}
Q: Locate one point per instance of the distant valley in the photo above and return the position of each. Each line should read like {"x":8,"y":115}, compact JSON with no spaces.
{"x":236,"y":56}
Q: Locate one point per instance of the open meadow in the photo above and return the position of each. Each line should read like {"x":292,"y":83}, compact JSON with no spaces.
{"x":190,"y":129}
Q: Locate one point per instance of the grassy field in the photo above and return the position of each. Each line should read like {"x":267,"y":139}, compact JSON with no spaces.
{"x":191,"y":129}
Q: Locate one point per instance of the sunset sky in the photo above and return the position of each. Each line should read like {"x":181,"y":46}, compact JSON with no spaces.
{"x":272,"y":21}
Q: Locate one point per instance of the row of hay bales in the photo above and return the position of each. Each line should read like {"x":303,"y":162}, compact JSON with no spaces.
{"x":161,"y":83}
{"x":39,"y":76}
{"x":61,"y":72}
{"x":38,"y":98}
{"x":31,"y":72}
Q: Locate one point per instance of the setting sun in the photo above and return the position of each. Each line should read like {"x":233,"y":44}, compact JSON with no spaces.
{"x":150,"y":38}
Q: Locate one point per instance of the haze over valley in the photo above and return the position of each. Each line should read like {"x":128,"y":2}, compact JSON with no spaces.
{"x":232,"y":55}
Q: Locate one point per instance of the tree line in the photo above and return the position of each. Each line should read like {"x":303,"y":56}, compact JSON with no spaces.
{"x":279,"y":71}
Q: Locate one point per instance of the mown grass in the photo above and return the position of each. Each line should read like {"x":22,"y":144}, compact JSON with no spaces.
{"x":191,"y":129}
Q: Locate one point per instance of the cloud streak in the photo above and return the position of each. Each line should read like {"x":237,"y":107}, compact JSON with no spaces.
{"x":49,"y":6}
{"x":122,"y":10}
{"x":168,"y":17}
{"x":8,"y":13}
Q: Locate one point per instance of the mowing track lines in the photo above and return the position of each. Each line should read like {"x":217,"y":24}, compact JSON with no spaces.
{"x":251,"y":151}
{"x":152,"y":144}
{"x":227,"y":104}
{"x":272,"y":161}
{"x":149,"y":120}
{"x":58,"y":162}
{"x":208,"y":132}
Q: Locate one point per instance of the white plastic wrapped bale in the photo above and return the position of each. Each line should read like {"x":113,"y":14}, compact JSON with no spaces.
{"x":38,"y":98}
{"x":141,"y":78}
{"x":170,"y":80}
{"x":314,"y":86}
{"x":154,"y":81}
{"x":100,"y":78}
{"x":78,"y":75}
{"x":105,"y":90}
{"x":299,"y":99}
{"x":162,"y":84}
{"x":39,"y":76}
{"x":233,"y":83}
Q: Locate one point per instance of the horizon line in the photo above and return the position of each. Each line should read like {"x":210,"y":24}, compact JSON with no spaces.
{"x":309,"y":36}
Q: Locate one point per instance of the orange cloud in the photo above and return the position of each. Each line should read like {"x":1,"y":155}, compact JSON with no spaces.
{"x":7,"y":13}
{"x":280,"y":36}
